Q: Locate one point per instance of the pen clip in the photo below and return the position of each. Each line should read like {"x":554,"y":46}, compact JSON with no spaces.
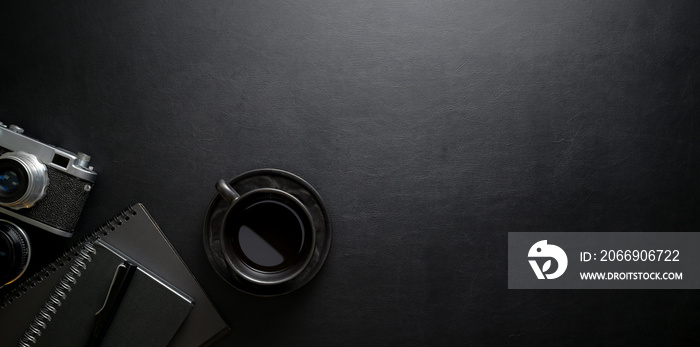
{"x":120,"y":281}
{"x":118,"y":272}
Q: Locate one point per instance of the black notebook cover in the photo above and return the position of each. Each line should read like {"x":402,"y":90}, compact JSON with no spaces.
{"x":136,"y":236}
{"x":149,"y":314}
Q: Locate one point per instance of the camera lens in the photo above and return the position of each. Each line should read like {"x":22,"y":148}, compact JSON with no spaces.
{"x":9,"y":182}
{"x":14,"y":252}
{"x":23,"y":180}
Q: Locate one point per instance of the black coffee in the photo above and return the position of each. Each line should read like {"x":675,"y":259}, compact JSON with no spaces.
{"x":270,"y":236}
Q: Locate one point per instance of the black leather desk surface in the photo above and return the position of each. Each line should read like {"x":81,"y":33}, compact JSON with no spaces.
{"x":430,"y":128}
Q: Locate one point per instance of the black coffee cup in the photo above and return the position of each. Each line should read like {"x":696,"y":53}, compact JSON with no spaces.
{"x":267,"y":235}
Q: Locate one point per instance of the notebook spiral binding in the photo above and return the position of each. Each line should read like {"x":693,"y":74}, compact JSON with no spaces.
{"x":60,"y":293}
{"x":81,"y":253}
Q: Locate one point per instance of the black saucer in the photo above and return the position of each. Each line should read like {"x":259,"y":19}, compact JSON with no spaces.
{"x":290,"y":183}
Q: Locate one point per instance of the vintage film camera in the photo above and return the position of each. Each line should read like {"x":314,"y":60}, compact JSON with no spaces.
{"x":40,"y":185}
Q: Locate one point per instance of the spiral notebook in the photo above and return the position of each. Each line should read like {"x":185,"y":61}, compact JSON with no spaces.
{"x":48,"y":308}
{"x":148,"y":313}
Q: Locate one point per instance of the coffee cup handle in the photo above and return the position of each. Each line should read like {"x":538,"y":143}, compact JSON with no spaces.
{"x":226,"y":191}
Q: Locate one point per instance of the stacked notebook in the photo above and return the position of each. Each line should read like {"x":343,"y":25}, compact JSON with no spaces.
{"x":124,"y":285}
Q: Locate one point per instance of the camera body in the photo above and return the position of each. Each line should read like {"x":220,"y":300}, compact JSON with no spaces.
{"x":40,"y":185}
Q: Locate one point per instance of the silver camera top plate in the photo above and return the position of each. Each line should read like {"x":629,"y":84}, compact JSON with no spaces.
{"x":60,"y":159}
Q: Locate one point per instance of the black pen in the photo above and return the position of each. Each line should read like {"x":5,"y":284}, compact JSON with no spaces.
{"x":122,"y":278}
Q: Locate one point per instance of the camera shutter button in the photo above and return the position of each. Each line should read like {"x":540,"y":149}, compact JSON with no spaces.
{"x":16,"y":129}
{"x":82,"y":160}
